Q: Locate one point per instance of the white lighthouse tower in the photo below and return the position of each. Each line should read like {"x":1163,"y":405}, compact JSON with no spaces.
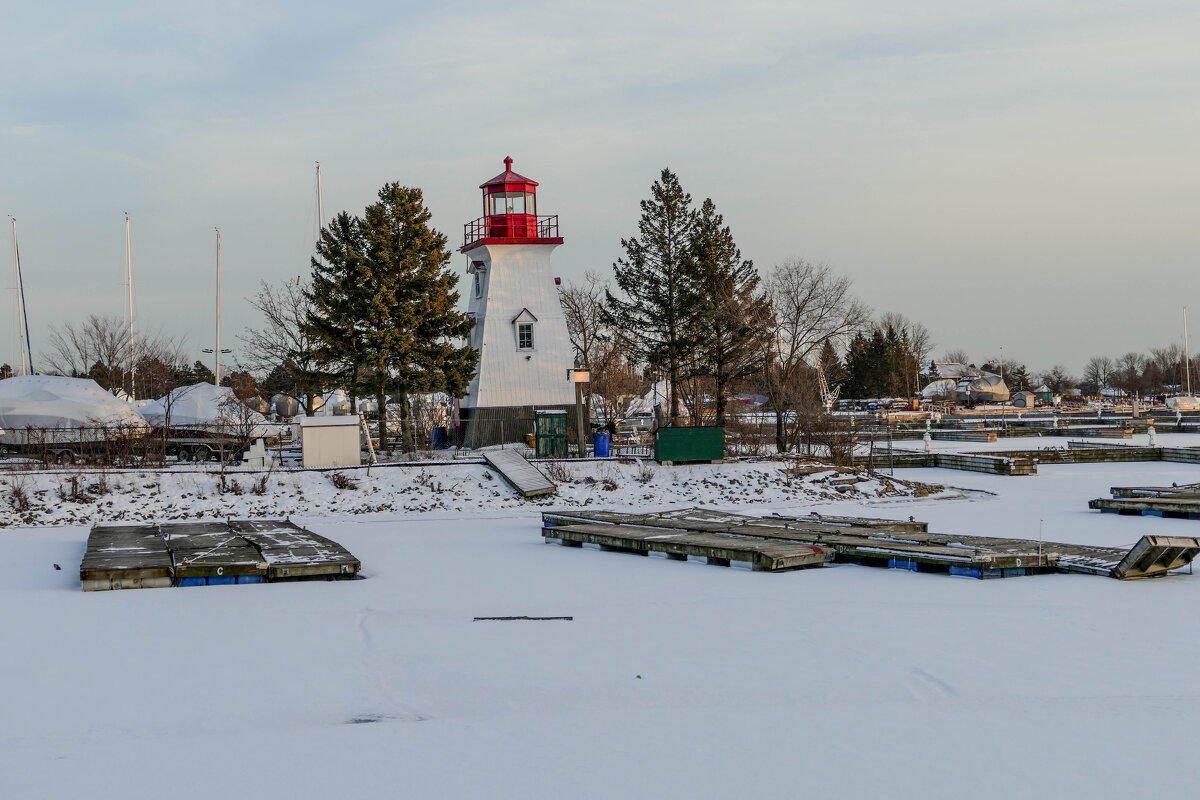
{"x":520,"y":332}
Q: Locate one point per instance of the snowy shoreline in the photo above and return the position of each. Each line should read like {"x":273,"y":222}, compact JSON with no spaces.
{"x":83,"y":496}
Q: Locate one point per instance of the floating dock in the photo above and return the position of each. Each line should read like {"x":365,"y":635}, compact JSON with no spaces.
{"x":155,"y":555}
{"x":1180,"y":502}
{"x":722,"y":537}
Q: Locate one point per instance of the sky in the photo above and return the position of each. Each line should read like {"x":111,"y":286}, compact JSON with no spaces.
{"x":1022,"y":178}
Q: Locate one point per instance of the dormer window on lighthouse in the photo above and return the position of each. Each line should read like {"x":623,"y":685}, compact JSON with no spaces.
{"x":510,"y":214}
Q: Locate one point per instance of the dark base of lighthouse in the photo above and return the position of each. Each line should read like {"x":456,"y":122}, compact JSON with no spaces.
{"x":485,"y":427}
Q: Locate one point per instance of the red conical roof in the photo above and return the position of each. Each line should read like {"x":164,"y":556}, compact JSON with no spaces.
{"x":508,"y":177}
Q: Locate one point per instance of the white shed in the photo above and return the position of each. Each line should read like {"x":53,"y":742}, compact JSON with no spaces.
{"x":330,"y":441}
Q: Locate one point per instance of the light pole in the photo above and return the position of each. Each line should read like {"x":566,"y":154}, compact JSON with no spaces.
{"x":579,"y":377}
{"x":217,"y":351}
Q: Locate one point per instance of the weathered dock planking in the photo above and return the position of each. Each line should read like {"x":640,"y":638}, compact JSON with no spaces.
{"x":293,"y":552}
{"x":125,"y":557}
{"x":1181,"y":502}
{"x":519,"y":473}
{"x":763,"y":554}
{"x":875,"y":543}
{"x":208,"y":554}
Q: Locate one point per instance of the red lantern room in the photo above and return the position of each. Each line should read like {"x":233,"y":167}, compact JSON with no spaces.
{"x":510,"y":214}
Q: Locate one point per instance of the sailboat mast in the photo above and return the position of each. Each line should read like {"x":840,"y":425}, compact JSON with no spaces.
{"x":320,"y":203}
{"x":22,"y":319}
{"x":217,"y":349}
{"x":1187,"y":358}
{"x":129,"y":281}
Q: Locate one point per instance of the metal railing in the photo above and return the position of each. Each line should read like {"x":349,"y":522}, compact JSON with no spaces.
{"x":511,"y":226}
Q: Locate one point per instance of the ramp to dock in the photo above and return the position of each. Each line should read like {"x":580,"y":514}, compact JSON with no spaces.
{"x":886,"y":543}
{"x":519,"y":473}
{"x":209,"y":554}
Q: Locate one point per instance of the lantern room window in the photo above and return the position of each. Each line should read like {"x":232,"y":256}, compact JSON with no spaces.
{"x":511,"y":203}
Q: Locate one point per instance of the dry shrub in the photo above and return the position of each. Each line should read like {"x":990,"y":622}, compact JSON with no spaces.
{"x":559,"y":472}
{"x":19,"y":494}
{"x":341,"y":480}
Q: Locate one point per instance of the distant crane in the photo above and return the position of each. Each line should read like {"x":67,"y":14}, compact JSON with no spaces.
{"x":828,"y":398}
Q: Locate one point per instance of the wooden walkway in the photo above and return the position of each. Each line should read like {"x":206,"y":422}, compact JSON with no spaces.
{"x":519,"y":473}
{"x":209,"y":554}
{"x":884,"y":543}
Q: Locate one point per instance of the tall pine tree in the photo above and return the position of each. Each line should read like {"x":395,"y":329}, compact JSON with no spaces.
{"x":734,"y":315}
{"x":384,"y":303}
{"x":657,"y":316}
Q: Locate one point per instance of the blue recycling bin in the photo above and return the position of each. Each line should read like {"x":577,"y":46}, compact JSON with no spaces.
{"x":600,"y":444}
{"x":439,"y":438}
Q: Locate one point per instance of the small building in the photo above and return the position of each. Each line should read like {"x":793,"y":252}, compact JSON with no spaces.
{"x":520,"y":331}
{"x":328,"y":441}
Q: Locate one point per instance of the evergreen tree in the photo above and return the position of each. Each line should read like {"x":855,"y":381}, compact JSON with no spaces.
{"x":384,"y":304}
{"x":199,"y":373}
{"x":335,"y":323}
{"x":657,"y":318}
{"x":733,"y":312}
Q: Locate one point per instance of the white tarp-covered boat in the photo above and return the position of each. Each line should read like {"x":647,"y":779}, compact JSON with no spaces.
{"x":208,"y":408}
{"x":940,"y":388}
{"x":1183,"y":402}
{"x":987,"y":388}
{"x":52,"y":409}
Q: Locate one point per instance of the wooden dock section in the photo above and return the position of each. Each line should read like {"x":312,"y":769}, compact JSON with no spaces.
{"x":209,"y":554}
{"x":293,"y":552}
{"x":762,"y":554}
{"x":884,"y":543}
{"x":519,"y":473}
{"x":1179,"y":502}
{"x":125,"y":557}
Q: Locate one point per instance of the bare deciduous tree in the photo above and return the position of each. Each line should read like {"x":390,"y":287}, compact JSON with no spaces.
{"x":809,"y":305}
{"x":282,"y":348}
{"x":99,"y":348}
{"x":596,"y":348}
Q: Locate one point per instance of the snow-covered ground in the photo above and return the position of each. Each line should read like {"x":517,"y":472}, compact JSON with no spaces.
{"x":87,"y":495}
{"x":674,"y":680}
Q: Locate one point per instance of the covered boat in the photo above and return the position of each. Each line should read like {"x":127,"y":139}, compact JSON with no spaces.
{"x":987,"y":388}
{"x":206,"y":408}
{"x":51,"y":409}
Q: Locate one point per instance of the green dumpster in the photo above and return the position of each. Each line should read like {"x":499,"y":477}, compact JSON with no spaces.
{"x":702,"y":443}
{"x":550,"y":430}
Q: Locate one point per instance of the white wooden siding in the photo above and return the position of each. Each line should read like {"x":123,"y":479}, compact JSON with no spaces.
{"x":519,"y":276}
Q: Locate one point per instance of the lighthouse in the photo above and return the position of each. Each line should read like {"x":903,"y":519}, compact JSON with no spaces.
{"x":520,"y":332}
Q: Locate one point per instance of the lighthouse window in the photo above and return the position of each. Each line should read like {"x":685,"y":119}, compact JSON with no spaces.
{"x":525,"y":336}
{"x":478,"y":284}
